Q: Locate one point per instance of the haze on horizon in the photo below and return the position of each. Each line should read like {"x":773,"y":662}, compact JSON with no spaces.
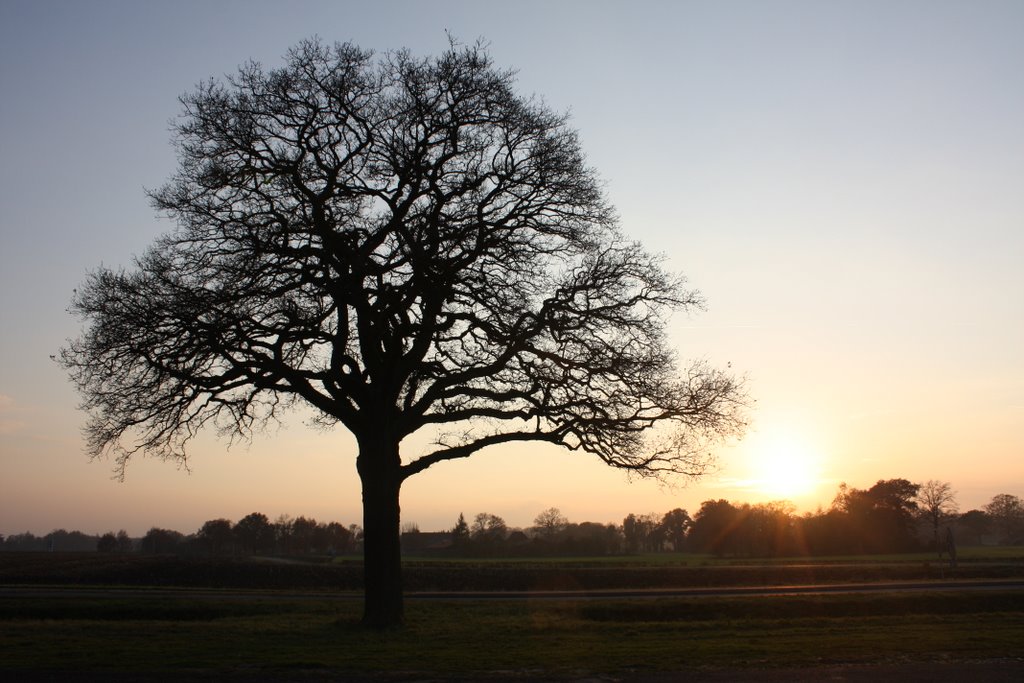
{"x":842,"y":181}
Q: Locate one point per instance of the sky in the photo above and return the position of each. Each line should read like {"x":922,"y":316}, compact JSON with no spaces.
{"x":843,"y":181}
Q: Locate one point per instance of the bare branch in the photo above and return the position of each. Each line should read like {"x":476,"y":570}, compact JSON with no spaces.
{"x":402,"y":244}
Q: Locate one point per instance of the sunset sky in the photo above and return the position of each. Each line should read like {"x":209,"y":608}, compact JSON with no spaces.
{"x":844,"y":182}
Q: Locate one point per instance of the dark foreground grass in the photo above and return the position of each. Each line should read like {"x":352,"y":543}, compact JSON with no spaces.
{"x":274,"y":638}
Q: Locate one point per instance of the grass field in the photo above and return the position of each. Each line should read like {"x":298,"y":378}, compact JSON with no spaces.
{"x":443,"y":638}
{"x":424,"y":574}
{"x":969,"y":554}
{"x":266,"y":635}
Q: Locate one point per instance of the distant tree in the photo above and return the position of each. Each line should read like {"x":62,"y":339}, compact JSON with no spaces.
{"x":936,"y":500}
{"x":486,"y":525}
{"x":1007,"y":514}
{"x":124,"y":542}
{"x":70,"y":541}
{"x":549,"y":523}
{"x":488,"y":532}
{"x":304,"y":536}
{"x":401,"y":244}
{"x":216,"y":536}
{"x":591,"y":538}
{"x":338,"y":539}
{"x":460,"y":534}
{"x":654,"y":539}
{"x":281,"y":529}
{"x":107,"y":543}
{"x":640,"y":532}
{"x":24,"y":542}
{"x":516,"y":541}
{"x":811,"y":532}
{"x":713,"y":527}
{"x":254,"y":534}
{"x":633,"y":533}
{"x":978,"y":523}
{"x":881,"y":517}
{"x":895,"y":494}
{"x":767,"y":529}
{"x":674,"y":525}
{"x":725,"y":528}
{"x":161,"y":541}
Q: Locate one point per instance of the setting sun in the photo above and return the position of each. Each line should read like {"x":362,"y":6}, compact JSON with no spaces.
{"x":784,"y":467}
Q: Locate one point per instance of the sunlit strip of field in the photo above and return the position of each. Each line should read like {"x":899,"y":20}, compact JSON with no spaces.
{"x":967,"y":554}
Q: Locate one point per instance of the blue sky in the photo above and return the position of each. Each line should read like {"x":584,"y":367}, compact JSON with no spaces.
{"x":844,"y":181}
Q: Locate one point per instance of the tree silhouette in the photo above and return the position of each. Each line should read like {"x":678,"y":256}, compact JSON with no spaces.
{"x":978,"y":523}
{"x":107,"y":543}
{"x":880,"y":517}
{"x":674,"y":525}
{"x":303,"y":536}
{"x":124,"y":542}
{"x":338,"y":539}
{"x":488,"y":530}
{"x":639,"y":533}
{"x":1007,"y":514}
{"x":216,"y":536}
{"x":549,"y":523}
{"x":159,"y":541}
{"x":460,"y":534}
{"x":713,"y":527}
{"x":403,"y":245}
{"x":254,"y":533}
{"x":936,"y":501}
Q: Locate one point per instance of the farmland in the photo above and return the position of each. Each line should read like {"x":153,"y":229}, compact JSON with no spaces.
{"x":138,"y":617}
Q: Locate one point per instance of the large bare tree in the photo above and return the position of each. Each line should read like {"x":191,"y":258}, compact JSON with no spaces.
{"x":404,"y":245}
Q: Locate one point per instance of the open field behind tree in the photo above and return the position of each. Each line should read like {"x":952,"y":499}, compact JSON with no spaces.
{"x":663,"y":570}
{"x":273,"y":617}
{"x":244,"y":638}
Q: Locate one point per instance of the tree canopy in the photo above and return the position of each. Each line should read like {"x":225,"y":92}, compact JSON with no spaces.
{"x":403,"y":245}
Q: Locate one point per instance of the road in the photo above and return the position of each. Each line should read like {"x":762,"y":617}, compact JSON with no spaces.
{"x":631,"y":594}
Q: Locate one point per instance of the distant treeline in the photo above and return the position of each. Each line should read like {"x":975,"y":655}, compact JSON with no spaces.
{"x":254,"y":534}
{"x":57,"y":540}
{"x":894,"y":515}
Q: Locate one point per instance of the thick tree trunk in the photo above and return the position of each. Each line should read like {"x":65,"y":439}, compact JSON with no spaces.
{"x":378,"y":466}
